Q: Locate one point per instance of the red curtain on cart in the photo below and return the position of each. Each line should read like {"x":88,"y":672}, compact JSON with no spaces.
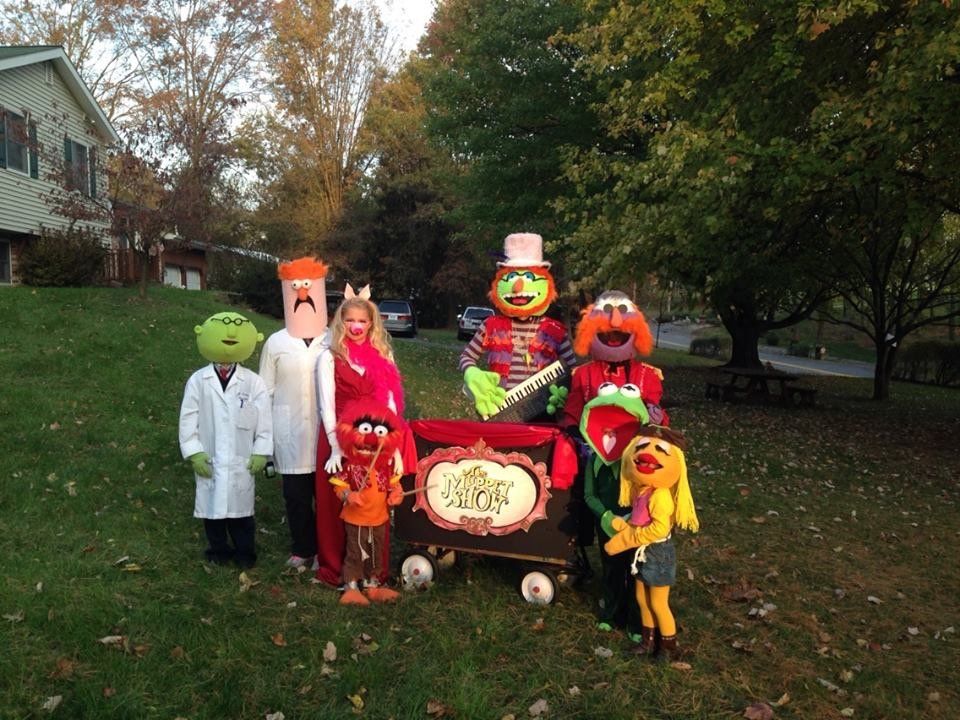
{"x":464,"y":433}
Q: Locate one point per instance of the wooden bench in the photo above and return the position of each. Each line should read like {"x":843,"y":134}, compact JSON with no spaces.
{"x":795,"y":395}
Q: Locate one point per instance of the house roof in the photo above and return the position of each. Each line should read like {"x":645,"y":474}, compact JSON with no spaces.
{"x":14,"y":56}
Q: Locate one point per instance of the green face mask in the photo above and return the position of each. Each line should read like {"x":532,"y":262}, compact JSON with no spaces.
{"x":227,"y":337}
{"x":612,"y":419}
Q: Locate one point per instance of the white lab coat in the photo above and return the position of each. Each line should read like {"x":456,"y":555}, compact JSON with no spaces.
{"x":287,"y":367}
{"x":229,"y":426}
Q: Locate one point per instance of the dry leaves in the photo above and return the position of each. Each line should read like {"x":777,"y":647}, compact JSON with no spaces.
{"x":246,"y":582}
{"x":52,"y":703}
{"x":16,"y":617}
{"x":437,"y":709}
{"x":330,"y":652}
{"x":278,"y":640}
{"x":540,"y":707}
{"x":758,"y":711}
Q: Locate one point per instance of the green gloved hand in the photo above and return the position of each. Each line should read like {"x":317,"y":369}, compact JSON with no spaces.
{"x":485,"y":388}
{"x":612,"y":523}
{"x":256,"y":464}
{"x":558,"y":398}
{"x":201,"y":464}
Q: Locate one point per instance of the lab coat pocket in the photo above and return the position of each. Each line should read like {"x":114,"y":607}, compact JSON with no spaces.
{"x":247,"y":417}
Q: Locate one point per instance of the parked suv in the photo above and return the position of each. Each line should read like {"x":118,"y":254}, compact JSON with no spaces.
{"x":471,"y":319}
{"x":398,"y":317}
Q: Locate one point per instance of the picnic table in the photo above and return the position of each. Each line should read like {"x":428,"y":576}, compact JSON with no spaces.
{"x":763,"y":384}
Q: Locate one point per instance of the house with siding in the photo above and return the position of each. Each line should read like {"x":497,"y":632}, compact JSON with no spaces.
{"x":52,"y":133}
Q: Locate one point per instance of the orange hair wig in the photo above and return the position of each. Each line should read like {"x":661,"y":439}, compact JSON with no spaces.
{"x":304,"y":267}
{"x":592,"y":323}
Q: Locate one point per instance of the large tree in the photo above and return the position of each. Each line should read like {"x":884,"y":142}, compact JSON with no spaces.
{"x":396,"y":231}
{"x":326,"y":59}
{"x":505,"y":102}
{"x":778,"y":134}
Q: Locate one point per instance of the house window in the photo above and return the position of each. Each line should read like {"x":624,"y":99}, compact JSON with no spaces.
{"x":80,"y":167}
{"x":16,"y":150}
{"x":4,"y":261}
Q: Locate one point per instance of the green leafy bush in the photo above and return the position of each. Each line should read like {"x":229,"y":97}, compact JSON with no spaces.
{"x":800,"y":349}
{"x":253,"y":279}
{"x":772,"y":339}
{"x":63,"y":258}
{"x":929,"y":361}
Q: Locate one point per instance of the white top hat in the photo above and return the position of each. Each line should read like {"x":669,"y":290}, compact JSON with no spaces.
{"x":523,"y":250}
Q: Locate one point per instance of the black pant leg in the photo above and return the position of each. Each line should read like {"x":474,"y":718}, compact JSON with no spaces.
{"x":243,"y":531}
{"x":620,"y":607}
{"x":218,"y":549}
{"x":298,"y":492}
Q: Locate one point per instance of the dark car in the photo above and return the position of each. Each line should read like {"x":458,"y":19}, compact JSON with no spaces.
{"x":470,"y":319}
{"x":398,"y":317}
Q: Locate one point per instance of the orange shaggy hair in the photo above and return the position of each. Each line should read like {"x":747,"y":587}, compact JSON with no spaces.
{"x":590,"y":325}
{"x":517,"y":311}
{"x":301,"y":268}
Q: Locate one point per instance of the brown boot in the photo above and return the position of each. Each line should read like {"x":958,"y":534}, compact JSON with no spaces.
{"x":670,"y":651}
{"x":648,"y":642}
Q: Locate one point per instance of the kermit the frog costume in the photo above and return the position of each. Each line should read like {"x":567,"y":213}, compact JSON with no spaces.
{"x":608,"y":422}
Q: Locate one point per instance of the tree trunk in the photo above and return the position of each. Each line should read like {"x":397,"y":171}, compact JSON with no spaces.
{"x":744,"y":352}
{"x":144,"y":273}
{"x":883,"y":370}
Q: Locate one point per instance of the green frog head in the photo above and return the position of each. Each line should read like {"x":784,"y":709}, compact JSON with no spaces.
{"x":611,"y":419}
{"x":227,"y":337}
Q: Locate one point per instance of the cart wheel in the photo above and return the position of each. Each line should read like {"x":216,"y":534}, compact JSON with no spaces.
{"x":418,"y":569}
{"x":539,"y":587}
{"x":446,"y":558}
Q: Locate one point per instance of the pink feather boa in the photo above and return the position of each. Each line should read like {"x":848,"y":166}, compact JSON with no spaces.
{"x":383,"y":372}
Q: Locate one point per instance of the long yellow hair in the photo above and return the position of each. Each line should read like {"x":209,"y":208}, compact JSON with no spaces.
{"x":684,"y":511}
{"x":379,"y":337}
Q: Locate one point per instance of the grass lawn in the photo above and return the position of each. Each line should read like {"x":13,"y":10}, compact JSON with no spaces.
{"x":824,"y":581}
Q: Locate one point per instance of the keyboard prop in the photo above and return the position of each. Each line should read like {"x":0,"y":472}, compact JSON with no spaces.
{"x":529,"y":399}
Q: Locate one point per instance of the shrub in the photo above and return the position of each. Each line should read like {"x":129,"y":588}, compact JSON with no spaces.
{"x":63,"y":258}
{"x":772,"y":339}
{"x":929,"y":361}
{"x":800,"y":349}
{"x":254,"y":280}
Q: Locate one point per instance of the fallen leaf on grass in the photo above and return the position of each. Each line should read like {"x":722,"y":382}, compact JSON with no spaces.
{"x":933,"y":696}
{"x":742,"y":592}
{"x":330,"y":652}
{"x":364,"y":644}
{"x":274,"y":716}
{"x":847,"y":712}
{"x":131,"y":567}
{"x":539,"y":708}
{"x":603,"y":652}
{"x":52,"y":703}
{"x":177,"y":653}
{"x":356,"y":700}
{"x":784,"y":699}
{"x":574,"y":691}
{"x":246,"y":582}
{"x":874,"y":599}
{"x":680,"y":665}
{"x":16,"y":617}
{"x":64,"y":669}
{"x":55,"y":426}
{"x":108,"y":692}
{"x":305,"y":690}
{"x":758,"y":711}
{"x":279,"y":640}
{"x":537,"y":625}
{"x":114,"y":641}
{"x":437,"y":709}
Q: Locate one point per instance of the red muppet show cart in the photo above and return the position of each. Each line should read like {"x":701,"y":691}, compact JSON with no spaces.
{"x":499,"y":489}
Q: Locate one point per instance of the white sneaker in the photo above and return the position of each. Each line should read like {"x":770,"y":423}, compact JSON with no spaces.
{"x":295,"y":561}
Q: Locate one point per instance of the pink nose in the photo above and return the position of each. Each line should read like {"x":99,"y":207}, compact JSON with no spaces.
{"x":302,"y":293}
{"x":517,"y":285}
{"x":616,"y":319}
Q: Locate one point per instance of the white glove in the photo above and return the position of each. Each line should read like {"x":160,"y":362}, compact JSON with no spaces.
{"x":335,"y":462}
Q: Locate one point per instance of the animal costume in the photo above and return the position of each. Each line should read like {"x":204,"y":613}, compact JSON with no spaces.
{"x":369,"y":434}
{"x":518,"y":341}
{"x":226,"y":433}
{"x":653,"y":482}
{"x":608,"y":423}
{"x":365,"y":375}
{"x":287,"y":363}
{"x":613,"y":332}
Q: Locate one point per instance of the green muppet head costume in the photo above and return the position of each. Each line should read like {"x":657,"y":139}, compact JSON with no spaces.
{"x":225,"y":339}
{"x":518,"y":341}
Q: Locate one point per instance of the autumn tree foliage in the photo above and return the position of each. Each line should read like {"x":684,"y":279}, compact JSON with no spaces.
{"x":326,"y":61}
